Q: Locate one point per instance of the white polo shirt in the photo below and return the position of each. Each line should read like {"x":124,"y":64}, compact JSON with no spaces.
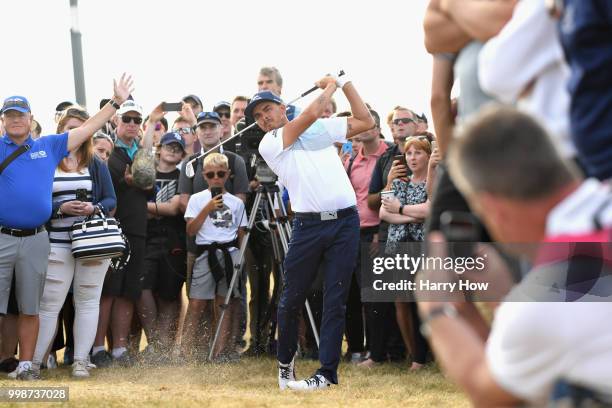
{"x":310,"y":168}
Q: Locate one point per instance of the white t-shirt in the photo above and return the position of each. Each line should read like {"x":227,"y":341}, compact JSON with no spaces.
{"x":310,"y":168}
{"x":534,"y":344}
{"x":221,"y":225}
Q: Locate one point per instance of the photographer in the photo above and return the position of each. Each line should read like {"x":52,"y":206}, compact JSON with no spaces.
{"x":554,"y":324}
{"x":326,"y":227}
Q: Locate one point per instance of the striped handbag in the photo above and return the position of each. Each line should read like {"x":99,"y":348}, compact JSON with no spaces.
{"x":97,"y":237}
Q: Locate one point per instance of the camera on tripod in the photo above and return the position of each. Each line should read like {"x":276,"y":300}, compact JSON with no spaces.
{"x":248,"y":147}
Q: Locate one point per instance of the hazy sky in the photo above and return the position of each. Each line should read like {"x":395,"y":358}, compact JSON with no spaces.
{"x":214,"y":49}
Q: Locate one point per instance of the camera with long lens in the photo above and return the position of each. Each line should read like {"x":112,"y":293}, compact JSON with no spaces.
{"x":248,"y":148}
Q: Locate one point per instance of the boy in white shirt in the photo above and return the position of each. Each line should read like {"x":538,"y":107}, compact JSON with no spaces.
{"x":216,"y":222}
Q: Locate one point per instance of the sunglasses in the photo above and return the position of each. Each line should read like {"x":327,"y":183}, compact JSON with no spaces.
{"x":403,"y":120}
{"x":173,"y":148}
{"x":211,"y":174}
{"x":224,"y":114}
{"x":128,"y":119}
{"x":183,"y":130}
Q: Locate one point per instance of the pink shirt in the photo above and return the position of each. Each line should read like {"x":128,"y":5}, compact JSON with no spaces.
{"x":361,"y":174}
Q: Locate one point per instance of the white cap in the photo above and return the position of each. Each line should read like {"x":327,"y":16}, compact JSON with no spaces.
{"x":129,"y":106}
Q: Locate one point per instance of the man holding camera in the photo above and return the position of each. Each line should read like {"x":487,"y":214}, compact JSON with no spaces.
{"x":326,"y":228}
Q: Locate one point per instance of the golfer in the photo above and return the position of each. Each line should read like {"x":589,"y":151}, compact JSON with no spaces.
{"x":326,"y":225}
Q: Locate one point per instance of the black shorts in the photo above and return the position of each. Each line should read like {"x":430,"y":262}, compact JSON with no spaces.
{"x":128,"y":282}
{"x":446,"y":197}
{"x":164,"y":268}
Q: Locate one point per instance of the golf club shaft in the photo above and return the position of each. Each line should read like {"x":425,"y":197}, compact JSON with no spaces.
{"x":311,"y":90}
{"x":314,"y":88}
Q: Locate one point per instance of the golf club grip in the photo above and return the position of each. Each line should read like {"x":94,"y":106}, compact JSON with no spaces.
{"x":314,"y":88}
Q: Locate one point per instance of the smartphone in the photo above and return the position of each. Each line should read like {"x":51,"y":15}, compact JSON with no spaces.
{"x":347,"y":148}
{"x":215,"y":191}
{"x":401,"y":158}
{"x":81,"y":194}
{"x":434,"y":145}
{"x":172,"y":106}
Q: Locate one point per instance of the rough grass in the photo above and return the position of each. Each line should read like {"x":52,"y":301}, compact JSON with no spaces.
{"x":249,"y":383}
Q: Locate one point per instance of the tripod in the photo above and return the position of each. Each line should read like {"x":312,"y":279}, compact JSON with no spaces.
{"x":280,"y":233}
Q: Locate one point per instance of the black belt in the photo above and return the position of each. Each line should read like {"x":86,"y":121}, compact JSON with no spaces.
{"x":21,"y":232}
{"x":327,"y":215}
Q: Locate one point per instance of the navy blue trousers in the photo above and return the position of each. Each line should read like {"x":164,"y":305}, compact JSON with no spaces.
{"x":333,"y":245}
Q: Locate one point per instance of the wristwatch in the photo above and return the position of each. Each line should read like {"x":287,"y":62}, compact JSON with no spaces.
{"x":114,"y":104}
{"x":401,"y":209}
{"x":447,"y":309}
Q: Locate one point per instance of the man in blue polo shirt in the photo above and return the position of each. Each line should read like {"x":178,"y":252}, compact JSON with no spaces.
{"x":26,"y":191}
{"x":326,"y":229}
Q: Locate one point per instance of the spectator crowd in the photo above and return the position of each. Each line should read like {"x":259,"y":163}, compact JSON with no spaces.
{"x":525,"y":151}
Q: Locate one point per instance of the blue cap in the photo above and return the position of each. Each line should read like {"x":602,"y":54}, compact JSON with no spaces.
{"x":172,"y":137}
{"x":259,"y":97}
{"x":18,"y":103}
{"x":208,"y":117}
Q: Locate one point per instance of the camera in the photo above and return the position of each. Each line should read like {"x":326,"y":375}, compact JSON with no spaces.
{"x":248,"y":148}
{"x":249,"y":140}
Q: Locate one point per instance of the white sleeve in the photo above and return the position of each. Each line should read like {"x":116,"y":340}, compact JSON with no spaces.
{"x":337,"y":128}
{"x":271,"y":146}
{"x":524,"y":351}
{"x":525,"y":47}
{"x":194,"y":206}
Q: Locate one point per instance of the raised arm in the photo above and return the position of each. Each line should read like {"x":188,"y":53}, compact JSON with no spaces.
{"x":155,"y":116}
{"x":441,"y":109}
{"x":441,"y":33}
{"x":292,"y":130}
{"x":361,"y":119}
{"x":122,"y":90}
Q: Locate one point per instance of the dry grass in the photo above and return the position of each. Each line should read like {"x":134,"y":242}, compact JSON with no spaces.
{"x":250,"y":383}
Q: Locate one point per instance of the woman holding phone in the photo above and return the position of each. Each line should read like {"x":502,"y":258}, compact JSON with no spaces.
{"x":82,"y":186}
{"x":406,"y":211}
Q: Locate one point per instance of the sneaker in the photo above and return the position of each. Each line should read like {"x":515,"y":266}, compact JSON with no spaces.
{"x":102,"y":359}
{"x":79,"y":369}
{"x":89,"y":364}
{"x":124,"y":360}
{"x":13,"y":374}
{"x":286,"y":374}
{"x":68,"y":356}
{"x":8,"y":365}
{"x":315,"y":382}
{"x":29,"y":373}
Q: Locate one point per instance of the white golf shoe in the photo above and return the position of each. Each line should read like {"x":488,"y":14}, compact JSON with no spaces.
{"x":286,"y":374}
{"x":316,"y":382}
